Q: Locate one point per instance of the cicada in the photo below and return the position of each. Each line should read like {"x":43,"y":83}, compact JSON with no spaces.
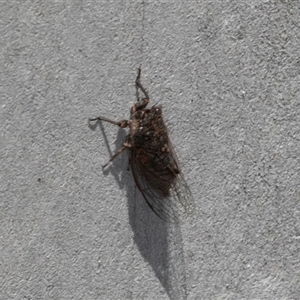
{"x":152,"y":160}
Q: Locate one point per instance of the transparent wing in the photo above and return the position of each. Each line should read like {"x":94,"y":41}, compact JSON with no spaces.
{"x":162,"y":184}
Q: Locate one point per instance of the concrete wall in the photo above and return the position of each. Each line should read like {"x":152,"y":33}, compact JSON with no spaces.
{"x":227,"y":75}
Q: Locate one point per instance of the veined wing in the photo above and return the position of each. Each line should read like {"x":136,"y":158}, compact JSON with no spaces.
{"x":162,"y":184}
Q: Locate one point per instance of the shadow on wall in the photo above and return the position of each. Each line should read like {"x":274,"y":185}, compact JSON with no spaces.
{"x":160,"y":243}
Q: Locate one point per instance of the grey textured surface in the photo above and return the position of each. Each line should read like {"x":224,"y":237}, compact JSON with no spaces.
{"x":227,"y":74}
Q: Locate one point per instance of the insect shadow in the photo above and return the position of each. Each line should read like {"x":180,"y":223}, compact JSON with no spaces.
{"x":160,"y":244}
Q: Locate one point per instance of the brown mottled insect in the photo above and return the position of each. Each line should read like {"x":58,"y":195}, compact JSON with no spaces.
{"x":153,"y":161}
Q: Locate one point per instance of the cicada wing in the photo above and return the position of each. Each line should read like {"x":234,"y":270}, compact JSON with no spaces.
{"x":166,"y":192}
{"x":182,"y":191}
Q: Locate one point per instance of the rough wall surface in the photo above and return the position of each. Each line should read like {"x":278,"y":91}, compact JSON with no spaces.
{"x":227,"y":75}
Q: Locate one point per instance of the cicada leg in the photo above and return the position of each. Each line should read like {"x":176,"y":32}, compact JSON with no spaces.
{"x":122,"y":124}
{"x":138,"y":84}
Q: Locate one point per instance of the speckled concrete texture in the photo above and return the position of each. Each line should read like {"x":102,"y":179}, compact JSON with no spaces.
{"x":227,"y":75}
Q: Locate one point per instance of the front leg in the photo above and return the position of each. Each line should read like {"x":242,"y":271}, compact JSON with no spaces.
{"x":122,"y":123}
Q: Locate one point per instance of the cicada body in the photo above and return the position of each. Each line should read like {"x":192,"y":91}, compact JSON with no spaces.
{"x":153,"y":161}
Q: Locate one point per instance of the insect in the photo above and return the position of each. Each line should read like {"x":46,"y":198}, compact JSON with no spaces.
{"x":152,"y":160}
